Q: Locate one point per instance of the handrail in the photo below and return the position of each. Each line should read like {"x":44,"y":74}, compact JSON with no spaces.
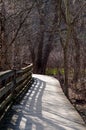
{"x":12,"y":84}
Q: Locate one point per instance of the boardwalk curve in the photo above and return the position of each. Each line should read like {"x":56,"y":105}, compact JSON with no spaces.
{"x":44,"y":107}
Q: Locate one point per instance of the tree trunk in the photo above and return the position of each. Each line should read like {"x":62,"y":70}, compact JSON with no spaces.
{"x":77,"y":56}
{"x":48,"y":45}
{"x":66,"y":72}
{"x":46,"y":54}
{"x":3,"y":50}
{"x":38,"y":58}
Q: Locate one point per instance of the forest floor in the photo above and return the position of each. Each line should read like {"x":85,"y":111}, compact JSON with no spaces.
{"x":79,"y":104}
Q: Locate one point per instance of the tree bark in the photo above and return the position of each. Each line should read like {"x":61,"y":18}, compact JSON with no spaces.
{"x":77,"y":56}
{"x":3,"y":48}
{"x":65,"y":44}
{"x":66,"y":72}
{"x":38,"y":57}
{"x":48,"y":45}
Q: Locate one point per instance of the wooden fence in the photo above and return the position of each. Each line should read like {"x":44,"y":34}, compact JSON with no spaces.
{"x":12,"y":84}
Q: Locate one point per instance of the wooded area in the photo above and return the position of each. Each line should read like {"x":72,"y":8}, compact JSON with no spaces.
{"x":51,"y":35}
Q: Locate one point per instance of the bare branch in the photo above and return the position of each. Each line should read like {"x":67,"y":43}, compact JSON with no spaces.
{"x":20,"y":25}
{"x":77,"y":14}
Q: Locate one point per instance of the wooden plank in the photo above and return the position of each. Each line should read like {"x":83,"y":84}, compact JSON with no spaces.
{"x":25,"y":69}
{"x":4,"y":111}
{"x":23,"y":89}
{"x":19,"y":80}
{"x":29,"y":66}
{"x":6,"y":74}
{"x":3,"y":104}
{"x":18,"y":88}
{"x":24,"y":83}
{"x":6,"y":88}
{"x":23,"y":72}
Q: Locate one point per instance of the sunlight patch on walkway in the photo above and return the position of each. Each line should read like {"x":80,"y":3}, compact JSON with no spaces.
{"x":22,"y":123}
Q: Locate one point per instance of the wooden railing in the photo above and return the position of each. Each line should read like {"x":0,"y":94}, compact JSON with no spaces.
{"x":12,"y":84}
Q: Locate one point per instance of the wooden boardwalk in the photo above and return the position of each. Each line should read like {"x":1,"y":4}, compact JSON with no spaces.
{"x":44,"y":107}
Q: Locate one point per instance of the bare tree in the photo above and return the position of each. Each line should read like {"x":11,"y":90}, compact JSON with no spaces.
{"x":65,"y":42}
{"x":44,"y":48}
{"x":3,"y":45}
{"x":6,"y":45}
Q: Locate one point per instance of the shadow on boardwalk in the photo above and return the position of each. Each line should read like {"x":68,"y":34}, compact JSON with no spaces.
{"x":38,"y":112}
{"x":20,"y":113}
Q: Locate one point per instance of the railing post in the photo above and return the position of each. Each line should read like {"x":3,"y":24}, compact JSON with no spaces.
{"x":14,"y":85}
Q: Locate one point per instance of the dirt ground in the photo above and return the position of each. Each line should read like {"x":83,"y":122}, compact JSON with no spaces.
{"x":79,"y":104}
